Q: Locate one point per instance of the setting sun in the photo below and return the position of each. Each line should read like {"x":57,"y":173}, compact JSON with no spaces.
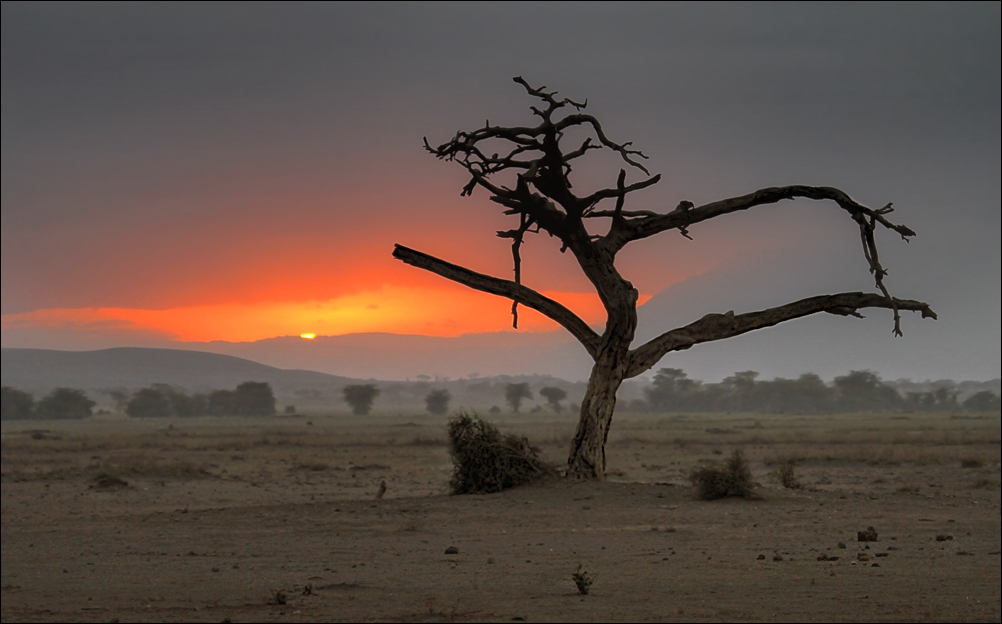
{"x":308,"y":336}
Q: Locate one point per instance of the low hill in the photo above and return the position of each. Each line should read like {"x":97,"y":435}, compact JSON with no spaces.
{"x":130,"y":367}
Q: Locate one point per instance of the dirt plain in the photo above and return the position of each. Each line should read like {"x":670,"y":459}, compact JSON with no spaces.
{"x":218,"y":519}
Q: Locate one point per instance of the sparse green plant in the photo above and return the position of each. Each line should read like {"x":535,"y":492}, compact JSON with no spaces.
{"x":788,"y":476}
{"x":732,"y":479}
{"x":485,"y":461}
{"x":582,"y":580}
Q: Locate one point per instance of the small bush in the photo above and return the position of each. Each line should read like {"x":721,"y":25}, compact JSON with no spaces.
{"x":787,"y":476}
{"x":582,"y":580}
{"x":484,"y":461}
{"x":729,"y":480}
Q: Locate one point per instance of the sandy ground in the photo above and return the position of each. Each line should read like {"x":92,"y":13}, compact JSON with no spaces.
{"x":277,"y":520}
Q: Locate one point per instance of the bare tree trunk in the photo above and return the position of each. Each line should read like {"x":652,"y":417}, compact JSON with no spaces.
{"x":587,"y":456}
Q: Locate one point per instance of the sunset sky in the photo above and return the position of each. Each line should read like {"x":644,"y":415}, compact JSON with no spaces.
{"x":187,"y":173}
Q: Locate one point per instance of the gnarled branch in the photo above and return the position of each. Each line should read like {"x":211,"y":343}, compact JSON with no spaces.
{"x":504,"y":288}
{"x":684,"y":216}
{"x":714,"y":327}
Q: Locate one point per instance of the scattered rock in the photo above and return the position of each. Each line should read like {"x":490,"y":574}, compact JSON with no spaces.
{"x":869,"y":535}
{"x":841,"y":545}
{"x":452,"y":550}
{"x":827,"y":557}
{"x":863,"y":557}
{"x":942,"y":537}
{"x":881,"y":554}
{"x":760,"y":558}
{"x":777,"y":557}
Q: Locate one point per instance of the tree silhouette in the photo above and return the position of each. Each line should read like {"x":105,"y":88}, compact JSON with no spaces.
{"x":437,"y":401}
{"x":514,"y":393}
{"x":554,"y":396}
{"x":64,"y":403}
{"x":16,"y":404}
{"x":542,"y":199}
{"x":360,"y":398}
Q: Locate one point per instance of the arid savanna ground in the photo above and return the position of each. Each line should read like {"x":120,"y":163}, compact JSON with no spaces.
{"x":277,"y":519}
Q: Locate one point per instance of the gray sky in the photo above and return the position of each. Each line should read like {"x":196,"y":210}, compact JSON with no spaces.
{"x":162,"y":155}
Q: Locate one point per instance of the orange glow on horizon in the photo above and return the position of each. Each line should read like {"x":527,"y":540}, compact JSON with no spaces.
{"x":450,"y":311}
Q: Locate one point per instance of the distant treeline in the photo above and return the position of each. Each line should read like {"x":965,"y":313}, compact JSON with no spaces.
{"x":671,"y":391}
{"x":859,"y":391}
{"x":157,"y":401}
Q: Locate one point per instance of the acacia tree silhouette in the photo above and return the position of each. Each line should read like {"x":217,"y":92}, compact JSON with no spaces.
{"x":541,"y":197}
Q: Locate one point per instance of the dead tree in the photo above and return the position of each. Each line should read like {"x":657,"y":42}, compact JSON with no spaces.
{"x":540,"y":196}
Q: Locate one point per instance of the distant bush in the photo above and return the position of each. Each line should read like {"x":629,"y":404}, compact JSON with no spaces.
{"x":149,"y":403}
{"x":16,"y":404}
{"x":360,"y":398}
{"x":515,"y":393}
{"x":437,"y":401}
{"x":732,"y":479}
{"x":484,"y":461}
{"x":554,"y":396}
{"x":984,"y":401}
{"x":251,"y":398}
{"x":64,"y":403}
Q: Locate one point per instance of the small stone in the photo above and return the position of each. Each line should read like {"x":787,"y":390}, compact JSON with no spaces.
{"x":869,"y":535}
{"x":863,"y":557}
{"x":452,"y":550}
{"x":215,"y":569}
{"x":942,"y":537}
{"x":777,"y":557}
{"x":760,"y":558}
{"x":876,"y":565}
{"x":841,"y":544}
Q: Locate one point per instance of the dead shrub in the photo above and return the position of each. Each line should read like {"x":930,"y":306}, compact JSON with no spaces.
{"x":582,"y":580}
{"x":732,"y":479}
{"x":484,"y":461}
{"x":788,"y":476}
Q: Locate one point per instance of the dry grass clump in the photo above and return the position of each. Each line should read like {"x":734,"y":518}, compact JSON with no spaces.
{"x":788,"y":476}
{"x":484,"y":461}
{"x":582,"y":580}
{"x":732,"y":479}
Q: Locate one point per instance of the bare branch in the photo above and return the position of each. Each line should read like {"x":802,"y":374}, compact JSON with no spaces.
{"x":618,"y":192}
{"x":684,"y":216}
{"x":720,"y":326}
{"x":504,"y":288}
